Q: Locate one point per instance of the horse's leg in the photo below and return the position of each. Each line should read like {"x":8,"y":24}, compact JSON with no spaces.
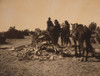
{"x":75,"y":48}
{"x":83,"y":54}
{"x":81,"y":47}
{"x":88,"y":47}
{"x":79,"y":50}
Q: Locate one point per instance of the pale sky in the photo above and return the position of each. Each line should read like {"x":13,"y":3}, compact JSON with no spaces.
{"x":31,"y":14}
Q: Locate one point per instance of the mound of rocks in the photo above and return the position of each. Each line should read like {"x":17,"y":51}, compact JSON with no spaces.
{"x":98,"y":37}
{"x":42,"y":51}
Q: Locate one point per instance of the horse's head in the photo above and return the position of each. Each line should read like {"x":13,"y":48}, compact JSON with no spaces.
{"x":73,"y":29}
{"x":77,"y":30}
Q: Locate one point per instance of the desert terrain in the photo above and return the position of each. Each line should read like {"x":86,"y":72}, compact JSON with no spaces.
{"x":66,"y":66}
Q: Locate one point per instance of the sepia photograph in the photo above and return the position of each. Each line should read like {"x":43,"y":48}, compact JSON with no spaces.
{"x":49,"y":37}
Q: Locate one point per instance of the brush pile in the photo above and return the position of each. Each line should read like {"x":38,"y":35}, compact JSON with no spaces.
{"x":41,"y":49}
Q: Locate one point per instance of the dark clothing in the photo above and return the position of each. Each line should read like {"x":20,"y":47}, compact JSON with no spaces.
{"x":65,"y":33}
{"x":49,"y":24}
{"x":57,"y":29}
{"x":56,"y":33}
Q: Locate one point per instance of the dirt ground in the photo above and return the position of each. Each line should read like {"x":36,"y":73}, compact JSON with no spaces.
{"x":68,"y":66}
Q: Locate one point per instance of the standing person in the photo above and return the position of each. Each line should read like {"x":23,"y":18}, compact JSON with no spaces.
{"x":50,"y":29}
{"x":56,"y":32}
{"x":67,"y":32}
{"x":63,"y":34}
{"x":49,"y":24}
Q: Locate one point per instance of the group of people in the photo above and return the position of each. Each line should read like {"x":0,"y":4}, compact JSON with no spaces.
{"x":55,"y":30}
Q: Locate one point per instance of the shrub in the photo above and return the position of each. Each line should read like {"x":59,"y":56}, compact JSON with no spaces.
{"x":2,"y":38}
{"x":26,"y":32}
{"x":14,"y":33}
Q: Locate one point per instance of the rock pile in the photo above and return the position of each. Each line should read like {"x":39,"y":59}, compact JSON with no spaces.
{"x":41,"y":50}
{"x":98,"y":37}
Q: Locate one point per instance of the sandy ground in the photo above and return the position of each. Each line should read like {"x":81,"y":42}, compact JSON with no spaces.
{"x":69,"y":66}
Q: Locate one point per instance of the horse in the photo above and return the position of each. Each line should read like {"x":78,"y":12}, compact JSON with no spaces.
{"x":82,"y":34}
